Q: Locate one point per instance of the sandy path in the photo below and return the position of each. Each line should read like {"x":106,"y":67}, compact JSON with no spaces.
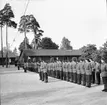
{"x":19,"y":88}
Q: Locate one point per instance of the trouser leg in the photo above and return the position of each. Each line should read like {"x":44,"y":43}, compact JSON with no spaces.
{"x":83,"y":79}
{"x":64,"y":75}
{"x":45,"y":77}
{"x":18,"y":68}
{"x":42,"y":76}
{"x":79,"y":78}
{"x":71,"y":75}
{"x":98,"y":78}
{"x":75,"y":77}
{"x":93,"y":77}
{"x":61,"y":73}
{"x":88,"y":80}
{"x":39,"y":75}
{"x":25,"y":70}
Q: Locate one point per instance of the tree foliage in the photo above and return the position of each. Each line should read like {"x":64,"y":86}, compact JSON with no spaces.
{"x":22,"y":44}
{"x":15,"y":51}
{"x":6,"y":14}
{"x":89,"y":51}
{"x":65,"y":44}
{"x":103,"y":51}
{"x":47,"y":43}
{"x":29,"y":23}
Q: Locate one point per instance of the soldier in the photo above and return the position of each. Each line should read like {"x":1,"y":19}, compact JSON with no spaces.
{"x":60,"y":70}
{"x":83,"y":73}
{"x":88,"y":71}
{"x":93,"y":70}
{"x":97,"y":72}
{"x":39,"y":70}
{"x":66,"y":70}
{"x":54,"y":69}
{"x":104,"y":74}
{"x":57,"y":65}
{"x":51,"y":68}
{"x":48,"y":65}
{"x":25,"y":66}
{"x":74,"y":60}
{"x":78,"y":72}
{"x":69,"y":71}
{"x":45,"y":72}
{"x":64,"y":73}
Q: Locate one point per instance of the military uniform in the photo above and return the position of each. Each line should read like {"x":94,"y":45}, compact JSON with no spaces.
{"x":93,"y":71}
{"x":83,"y":73}
{"x":60,"y":70}
{"x":74,"y":72}
{"x":78,"y":73}
{"x":88,"y":71}
{"x":45,"y":72}
{"x":97,"y":72}
{"x":69,"y":71}
{"x":104,"y":75}
{"x":64,"y":72}
{"x":25,"y":66}
{"x":39,"y":70}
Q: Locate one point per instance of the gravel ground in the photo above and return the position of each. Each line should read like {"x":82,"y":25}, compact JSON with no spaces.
{"x":19,"y":88}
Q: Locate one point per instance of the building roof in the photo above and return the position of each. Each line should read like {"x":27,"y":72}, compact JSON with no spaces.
{"x":10,"y":55}
{"x":52,"y":52}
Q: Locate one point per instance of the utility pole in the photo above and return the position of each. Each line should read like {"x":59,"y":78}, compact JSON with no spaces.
{"x":2,"y":47}
{"x":25,"y":40}
{"x":7,"y":46}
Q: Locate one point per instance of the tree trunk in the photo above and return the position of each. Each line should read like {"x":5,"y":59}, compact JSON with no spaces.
{"x":2,"y":47}
{"x":25,"y":40}
{"x":7,"y":46}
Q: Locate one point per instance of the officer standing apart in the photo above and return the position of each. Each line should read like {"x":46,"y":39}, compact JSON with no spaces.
{"x":104,"y":74}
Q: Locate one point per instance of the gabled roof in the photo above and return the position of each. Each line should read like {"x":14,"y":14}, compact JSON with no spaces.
{"x":10,"y":55}
{"x":52,"y":52}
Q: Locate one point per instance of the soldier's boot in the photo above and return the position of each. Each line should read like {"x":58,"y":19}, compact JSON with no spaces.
{"x":25,"y":70}
{"x":45,"y":77}
{"x":42,"y":76}
{"x":18,"y":68}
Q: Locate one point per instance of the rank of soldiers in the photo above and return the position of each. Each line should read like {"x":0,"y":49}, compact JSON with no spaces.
{"x":80,"y":71}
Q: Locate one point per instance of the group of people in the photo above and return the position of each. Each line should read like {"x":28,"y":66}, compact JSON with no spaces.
{"x":80,"y":71}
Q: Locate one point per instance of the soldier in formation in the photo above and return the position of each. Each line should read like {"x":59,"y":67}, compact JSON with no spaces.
{"x":79,"y":71}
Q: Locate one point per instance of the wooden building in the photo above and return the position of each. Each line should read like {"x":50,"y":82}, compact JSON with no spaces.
{"x":46,"y":54}
{"x":11,"y":56}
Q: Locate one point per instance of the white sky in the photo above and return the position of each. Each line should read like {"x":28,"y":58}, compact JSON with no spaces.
{"x":81,"y":21}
